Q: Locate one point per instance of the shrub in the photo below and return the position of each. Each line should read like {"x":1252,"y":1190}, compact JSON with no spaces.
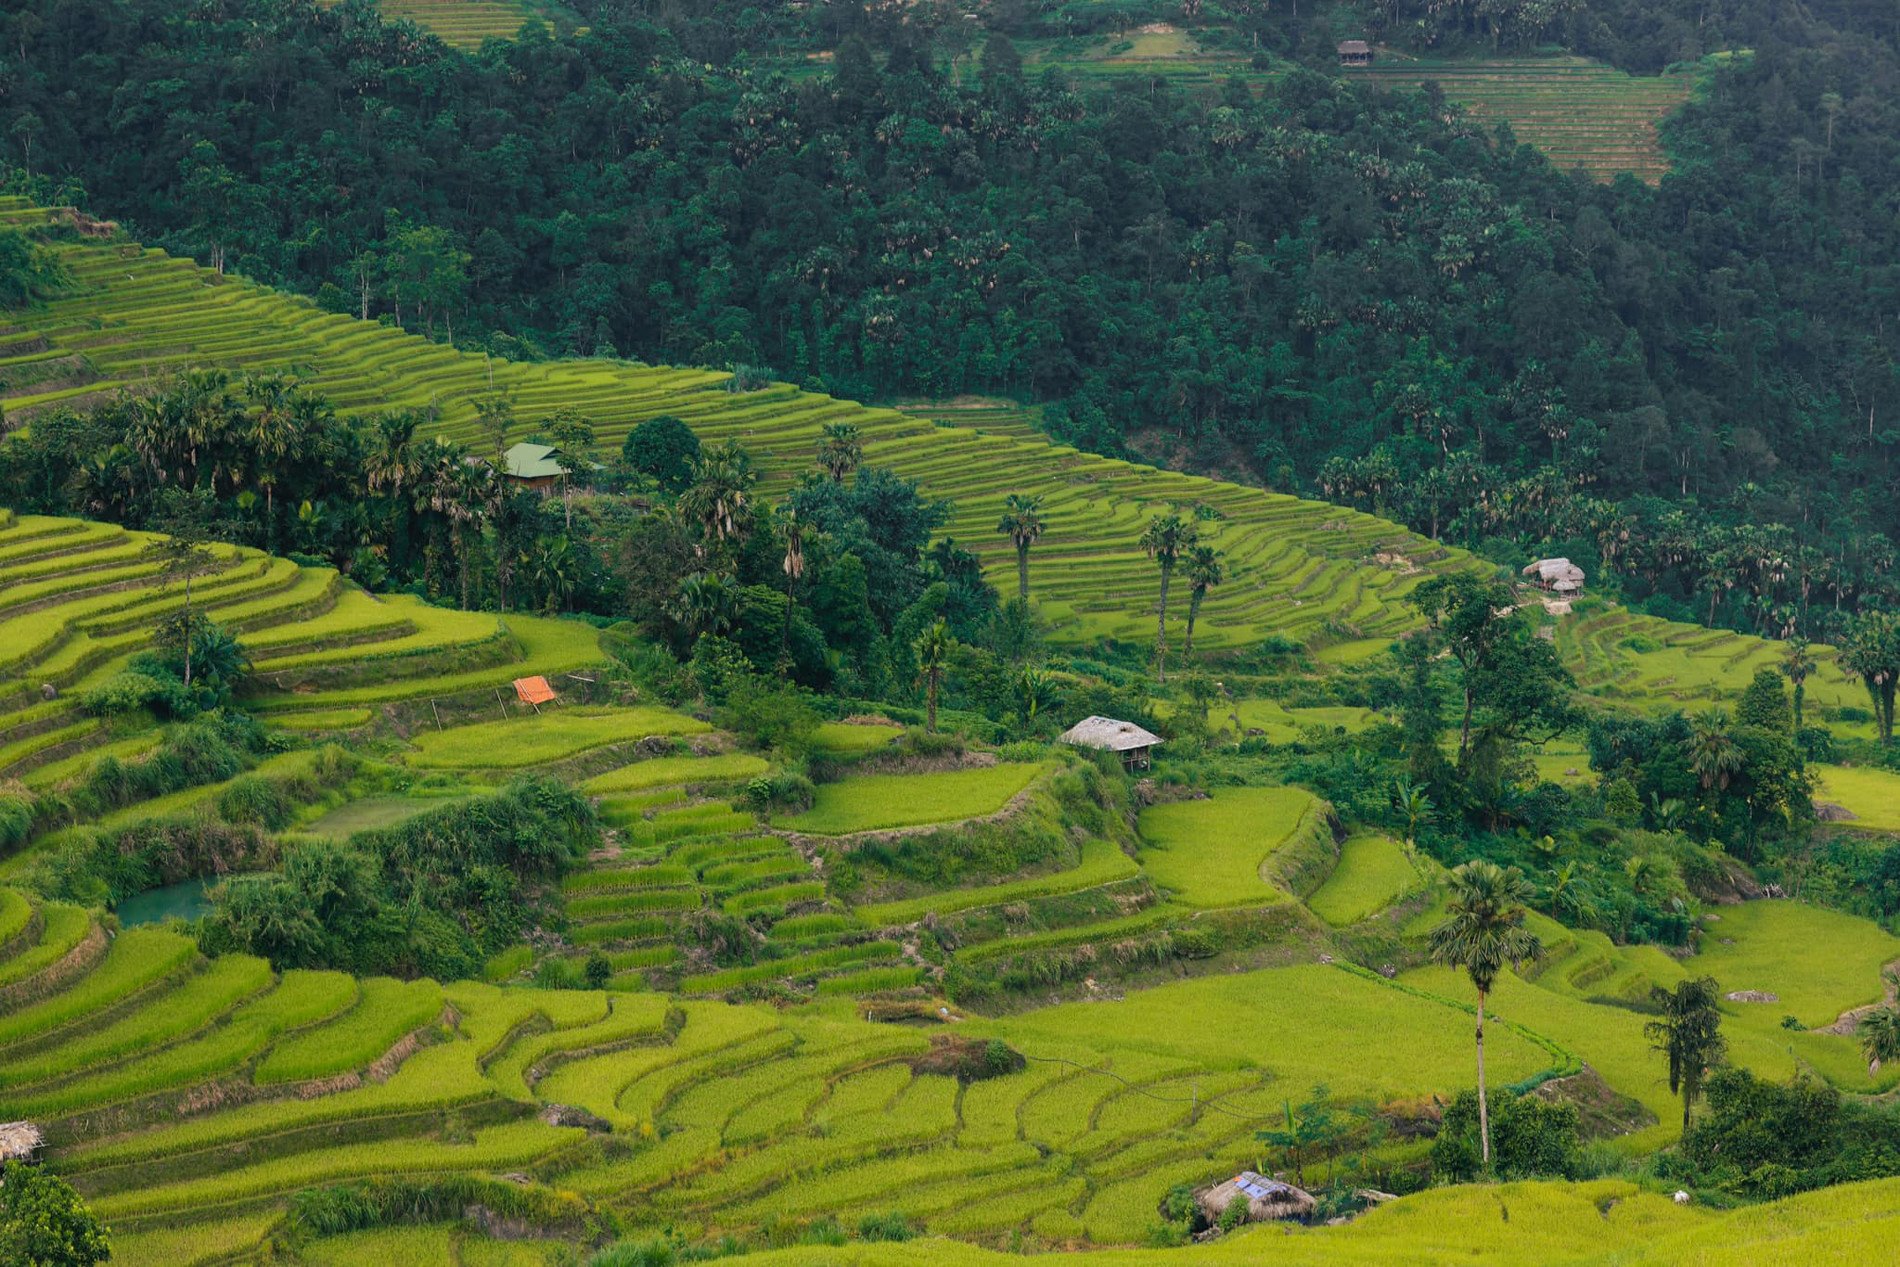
{"x":42,"y":1220}
{"x":253,"y":799}
{"x":889,"y":1226}
{"x":782,"y":791}
{"x":1530,"y":1137}
{"x":127,"y":691}
{"x":769,"y":715}
{"x":16,"y":818}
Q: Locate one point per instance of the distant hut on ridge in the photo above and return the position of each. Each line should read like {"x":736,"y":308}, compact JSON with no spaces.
{"x":1124,"y":737}
{"x":1556,"y":576}
{"x":1355,"y":53}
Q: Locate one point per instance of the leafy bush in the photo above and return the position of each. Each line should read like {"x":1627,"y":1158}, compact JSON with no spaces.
{"x":253,"y":799}
{"x":781,"y":791}
{"x":16,"y":818}
{"x":43,"y":1221}
{"x":1530,"y":1137}
{"x":769,"y":715}
{"x":127,"y":691}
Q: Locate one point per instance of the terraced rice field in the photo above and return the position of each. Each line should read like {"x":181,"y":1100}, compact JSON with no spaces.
{"x":461,"y":23}
{"x":882,"y":801}
{"x":1580,"y":112}
{"x":78,"y":600}
{"x":1871,"y":796}
{"x":1373,"y":873}
{"x":1301,"y":569}
{"x":1218,"y":852}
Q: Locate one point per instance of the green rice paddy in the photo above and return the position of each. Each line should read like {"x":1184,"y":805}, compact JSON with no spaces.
{"x":1210,"y":853}
{"x":1373,"y":873}
{"x":1871,"y":796}
{"x":549,"y":736}
{"x":881,"y":802}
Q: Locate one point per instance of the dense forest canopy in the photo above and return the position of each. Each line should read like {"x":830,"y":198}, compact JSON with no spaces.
{"x":1320,"y":287}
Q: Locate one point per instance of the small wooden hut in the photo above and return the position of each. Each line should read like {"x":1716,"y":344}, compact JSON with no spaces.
{"x":1355,"y":53}
{"x":1266,"y":1199}
{"x":20,"y":1141}
{"x":1556,"y":576}
{"x":1124,"y":737}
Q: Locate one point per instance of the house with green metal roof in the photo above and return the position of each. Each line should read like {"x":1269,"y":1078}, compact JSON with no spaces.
{"x":538,"y":466}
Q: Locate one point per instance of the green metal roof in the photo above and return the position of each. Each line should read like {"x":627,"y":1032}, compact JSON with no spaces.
{"x":532,"y":461}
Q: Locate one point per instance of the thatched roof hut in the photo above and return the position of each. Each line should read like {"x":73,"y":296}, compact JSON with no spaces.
{"x":1124,"y":737}
{"x":1266,"y":1198}
{"x":19,"y":1141}
{"x":1558,"y":576}
{"x":1355,"y":53}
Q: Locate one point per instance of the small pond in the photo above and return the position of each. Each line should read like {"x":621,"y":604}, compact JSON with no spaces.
{"x":184,"y":900}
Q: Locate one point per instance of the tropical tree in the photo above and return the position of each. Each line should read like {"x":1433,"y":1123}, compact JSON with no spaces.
{"x":1415,"y":808}
{"x":1797,"y":661}
{"x":1164,"y":541}
{"x":181,"y":555}
{"x":1022,"y":523}
{"x":719,"y":499}
{"x":573,"y":437}
{"x":1871,"y":652}
{"x":1688,"y":1033}
{"x":1879,"y":1032}
{"x":1035,"y":691}
{"x":933,"y":657}
{"x":1203,"y":571}
{"x":1714,"y":756}
{"x":840,"y":451}
{"x":45,"y":1223}
{"x":793,"y":565}
{"x":272,"y":430}
{"x":1568,"y":895}
{"x":704,"y":604}
{"x":1483,"y":930}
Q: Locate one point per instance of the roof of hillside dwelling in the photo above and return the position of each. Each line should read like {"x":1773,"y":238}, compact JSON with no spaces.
{"x":1354,"y":46}
{"x":18,"y":1140}
{"x":1266,"y":1198}
{"x":526,"y":461}
{"x":1555,"y":571}
{"x":1106,"y":732}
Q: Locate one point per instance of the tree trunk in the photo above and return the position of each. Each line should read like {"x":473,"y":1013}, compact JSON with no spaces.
{"x":188,"y":631}
{"x":1194,"y":612}
{"x":1484,"y":1108}
{"x":1022,"y":570}
{"x":1161,"y":626}
{"x":1800,"y":696}
{"x":930,"y":703}
{"x":1464,"y":731}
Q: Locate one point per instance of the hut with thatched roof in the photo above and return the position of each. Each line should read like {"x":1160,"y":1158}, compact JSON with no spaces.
{"x":20,"y":1141}
{"x":1266,"y":1199}
{"x":1556,"y":576}
{"x":1123,"y":737}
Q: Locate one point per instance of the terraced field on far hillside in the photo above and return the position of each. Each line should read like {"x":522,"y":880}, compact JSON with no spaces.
{"x":1580,"y":112}
{"x":1297,"y":568}
{"x":461,"y":23}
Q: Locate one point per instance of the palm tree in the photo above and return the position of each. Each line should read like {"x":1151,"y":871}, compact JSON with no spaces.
{"x":1203,"y":573}
{"x":1022,"y":524}
{"x":719,"y":499}
{"x":1484,"y":930}
{"x":840,"y":451}
{"x":933,"y":655}
{"x":1688,"y":1033}
{"x":1415,"y":806}
{"x":1713,"y":756}
{"x":1797,"y":661}
{"x":1666,"y":811}
{"x":1163,"y":541}
{"x":704,"y":604}
{"x":1035,"y":690}
{"x":794,"y":569}
{"x":272,"y":432}
{"x":1569,"y":894}
{"x":1879,"y":1032}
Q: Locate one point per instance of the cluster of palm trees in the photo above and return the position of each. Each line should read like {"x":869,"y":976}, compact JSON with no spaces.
{"x":1171,"y":541}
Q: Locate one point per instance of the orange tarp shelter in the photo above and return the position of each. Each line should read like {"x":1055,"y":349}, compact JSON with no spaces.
{"x":534,"y":692}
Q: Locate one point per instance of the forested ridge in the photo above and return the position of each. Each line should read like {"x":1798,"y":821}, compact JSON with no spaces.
{"x":1293,"y":281}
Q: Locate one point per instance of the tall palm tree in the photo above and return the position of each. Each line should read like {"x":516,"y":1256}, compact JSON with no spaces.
{"x":1164,"y":540}
{"x":704,"y":604}
{"x":719,"y":499}
{"x":1879,"y":1032}
{"x":793,"y":566}
{"x":1484,"y":930}
{"x":1797,"y":661}
{"x":1022,"y":523}
{"x":1686,"y":1031}
{"x":840,"y":451}
{"x":1203,"y":571}
{"x":933,"y":656}
{"x":271,"y":431}
{"x":1714,"y":757}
